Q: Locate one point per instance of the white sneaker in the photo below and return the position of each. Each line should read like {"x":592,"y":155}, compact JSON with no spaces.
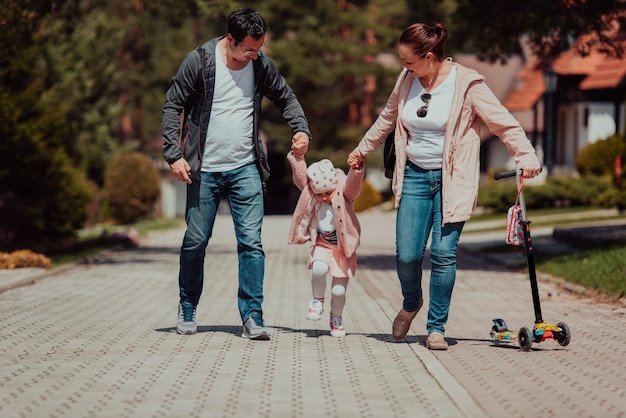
{"x":186,"y":323}
{"x":316,"y":308}
{"x":253,"y":331}
{"x":336,"y":326}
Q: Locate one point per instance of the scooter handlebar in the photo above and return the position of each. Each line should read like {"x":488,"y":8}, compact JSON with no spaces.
{"x":504,"y":174}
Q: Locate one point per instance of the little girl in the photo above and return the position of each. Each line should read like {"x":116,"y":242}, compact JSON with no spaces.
{"x":324,"y":216}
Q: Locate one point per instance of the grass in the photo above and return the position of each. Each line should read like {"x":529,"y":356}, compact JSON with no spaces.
{"x":57,"y":260}
{"x":556,"y":217}
{"x":143,"y":227}
{"x":477,"y":217}
{"x":90,"y":240}
{"x":601,"y":268}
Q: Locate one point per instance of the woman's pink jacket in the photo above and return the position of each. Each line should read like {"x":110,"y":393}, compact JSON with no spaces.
{"x":473,"y":103}
{"x":304,"y":223}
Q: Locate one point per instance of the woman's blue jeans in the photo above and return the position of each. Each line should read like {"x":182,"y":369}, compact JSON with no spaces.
{"x":244,"y":190}
{"x":419,"y":215}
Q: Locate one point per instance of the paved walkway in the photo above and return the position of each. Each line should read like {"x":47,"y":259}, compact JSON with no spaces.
{"x":97,"y":340}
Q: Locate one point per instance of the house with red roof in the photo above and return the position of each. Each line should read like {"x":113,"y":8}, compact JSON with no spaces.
{"x":569,"y":102}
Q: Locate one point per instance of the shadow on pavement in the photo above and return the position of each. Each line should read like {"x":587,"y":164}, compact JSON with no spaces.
{"x":226,"y":329}
{"x":591,"y":236}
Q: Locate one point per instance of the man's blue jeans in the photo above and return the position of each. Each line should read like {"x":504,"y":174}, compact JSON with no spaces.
{"x":419,"y":214}
{"x":243,"y":188}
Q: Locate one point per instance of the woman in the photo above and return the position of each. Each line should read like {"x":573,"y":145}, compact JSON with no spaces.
{"x":436,"y":109}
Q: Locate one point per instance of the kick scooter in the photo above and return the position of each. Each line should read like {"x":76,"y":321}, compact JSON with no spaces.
{"x":541,"y":331}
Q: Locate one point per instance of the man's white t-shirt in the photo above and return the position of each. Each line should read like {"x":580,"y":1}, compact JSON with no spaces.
{"x":229,"y":142}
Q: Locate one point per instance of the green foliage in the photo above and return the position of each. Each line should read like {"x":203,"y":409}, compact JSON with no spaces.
{"x":612,"y":198}
{"x":368,"y":198}
{"x":81,"y":82}
{"x":567,"y":191}
{"x":557,"y":192}
{"x":493,"y":28}
{"x":60,"y":200}
{"x":132,"y":187}
{"x":46,"y":202}
{"x":499,"y":196}
{"x":42,"y":196}
{"x":599,"y":158}
{"x":328,"y":55}
{"x":91,"y":75}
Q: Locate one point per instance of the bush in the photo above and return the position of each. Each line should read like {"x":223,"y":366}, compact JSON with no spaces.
{"x":132,"y":187}
{"x":368,"y":198}
{"x":557,"y":192}
{"x":567,"y":192}
{"x":612,"y":198}
{"x":44,"y":202}
{"x":499,"y":196}
{"x":599,"y":158}
{"x":23,"y":258}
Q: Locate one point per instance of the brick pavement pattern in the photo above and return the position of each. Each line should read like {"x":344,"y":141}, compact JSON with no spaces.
{"x":98,"y":340}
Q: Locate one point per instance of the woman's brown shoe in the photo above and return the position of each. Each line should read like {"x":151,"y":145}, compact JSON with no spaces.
{"x":402,"y":323}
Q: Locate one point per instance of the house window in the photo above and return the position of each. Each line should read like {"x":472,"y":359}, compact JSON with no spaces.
{"x":601,"y":126}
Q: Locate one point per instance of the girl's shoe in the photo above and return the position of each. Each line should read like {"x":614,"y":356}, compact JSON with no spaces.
{"x":336,"y":326}
{"x":316,"y":308}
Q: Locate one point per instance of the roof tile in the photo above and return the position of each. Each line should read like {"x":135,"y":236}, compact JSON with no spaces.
{"x":601,"y":72}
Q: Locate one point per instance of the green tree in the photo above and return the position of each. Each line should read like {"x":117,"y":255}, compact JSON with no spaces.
{"x":110,"y":62}
{"x":493,"y":28}
{"x":83,"y":81}
{"x":330,"y":53}
{"x":42,"y":196}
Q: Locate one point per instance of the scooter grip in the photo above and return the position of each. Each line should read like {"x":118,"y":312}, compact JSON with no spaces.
{"x":504,"y":174}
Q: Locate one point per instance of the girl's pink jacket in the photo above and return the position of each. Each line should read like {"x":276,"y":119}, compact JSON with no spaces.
{"x":304,"y":223}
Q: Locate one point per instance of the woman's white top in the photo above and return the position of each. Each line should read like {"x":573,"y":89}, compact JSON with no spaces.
{"x":425,"y":142}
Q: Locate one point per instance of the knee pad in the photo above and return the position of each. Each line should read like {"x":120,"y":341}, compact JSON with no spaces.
{"x":319,"y":268}
{"x":338,"y":290}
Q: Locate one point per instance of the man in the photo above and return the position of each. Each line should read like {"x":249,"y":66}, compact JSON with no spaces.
{"x":219,"y":87}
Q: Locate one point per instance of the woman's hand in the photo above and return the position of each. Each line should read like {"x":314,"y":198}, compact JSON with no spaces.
{"x":530,"y":172}
{"x":355,"y":159}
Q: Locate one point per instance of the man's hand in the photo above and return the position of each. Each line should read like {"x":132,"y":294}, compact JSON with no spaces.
{"x":181,"y":171}
{"x":299,"y":144}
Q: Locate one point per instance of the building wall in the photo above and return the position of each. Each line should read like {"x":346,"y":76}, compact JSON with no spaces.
{"x":173,"y":196}
{"x":601,"y":122}
{"x":581,"y":124}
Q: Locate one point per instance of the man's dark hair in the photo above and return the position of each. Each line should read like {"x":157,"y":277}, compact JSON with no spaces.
{"x":246,"y":22}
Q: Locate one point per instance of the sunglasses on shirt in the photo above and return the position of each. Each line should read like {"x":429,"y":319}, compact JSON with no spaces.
{"x":423,"y":111}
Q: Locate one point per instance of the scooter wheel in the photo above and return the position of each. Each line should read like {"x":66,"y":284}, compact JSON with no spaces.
{"x":525,"y":338}
{"x":565,"y":335}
